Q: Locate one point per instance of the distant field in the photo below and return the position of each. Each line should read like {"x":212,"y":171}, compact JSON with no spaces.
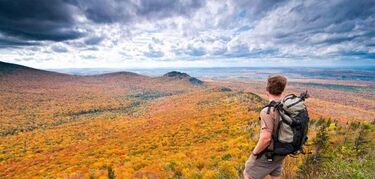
{"x":340,"y":87}
{"x":249,"y":73}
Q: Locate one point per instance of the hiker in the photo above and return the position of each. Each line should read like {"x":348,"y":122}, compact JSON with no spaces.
{"x":258,"y":166}
{"x":284,"y":124}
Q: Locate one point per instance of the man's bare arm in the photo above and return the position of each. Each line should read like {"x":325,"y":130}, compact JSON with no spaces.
{"x":263,"y":142}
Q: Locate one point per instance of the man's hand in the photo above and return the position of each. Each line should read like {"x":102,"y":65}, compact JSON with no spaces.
{"x":254,"y":154}
{"x":263,"y":142}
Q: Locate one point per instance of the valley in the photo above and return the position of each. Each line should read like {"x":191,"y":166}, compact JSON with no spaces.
{"x":130,"y":125}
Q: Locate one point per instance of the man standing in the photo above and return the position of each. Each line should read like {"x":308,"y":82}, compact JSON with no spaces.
{"x":259,"y":165}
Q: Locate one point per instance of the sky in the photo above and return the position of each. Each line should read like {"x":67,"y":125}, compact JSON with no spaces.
{"x":187,"y":33}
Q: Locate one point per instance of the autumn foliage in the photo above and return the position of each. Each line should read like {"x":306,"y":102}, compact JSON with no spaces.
{"x":125,"y":125}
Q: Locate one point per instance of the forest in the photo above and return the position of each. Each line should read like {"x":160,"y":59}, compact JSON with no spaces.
{"x":126,"y":125}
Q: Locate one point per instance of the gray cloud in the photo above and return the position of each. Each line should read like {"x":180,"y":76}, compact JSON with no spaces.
{"x":153,"y":53}
{"x":38,"y":20}
{"x":59,"y":49}
{"x":257,"y":8}
{"x":195,"y":52}
{"x":14,"y":42}
{"x":311,"y":17}
{"x":157,"y":9}
{"x":107,"y":11}
{"x":95,"y":40}
{"x":88,"y":57}
{"x":312,"y":28}
{"x":56,"y":20}
{"x":130,"y":10}
{"x":191,"y":29}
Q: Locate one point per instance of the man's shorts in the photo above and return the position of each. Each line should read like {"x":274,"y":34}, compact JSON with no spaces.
{"x":261,"y":167}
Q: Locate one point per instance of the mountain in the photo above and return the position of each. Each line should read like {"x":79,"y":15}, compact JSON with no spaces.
{"x":183,"y":76}
{"x":176,"y":74}
{"x":6,"y":68}
{"x":9,"y":67}
{"x":101,"y":93}
{"x":23,"y":72}
{"x":15,"y":71}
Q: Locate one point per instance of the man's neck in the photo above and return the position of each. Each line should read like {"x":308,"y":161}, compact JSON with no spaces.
{"x":274,"y":98}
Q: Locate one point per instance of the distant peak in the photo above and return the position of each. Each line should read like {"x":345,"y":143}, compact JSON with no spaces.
{"x":180,"y":75}
{"x":176,"y":74}
{"x":195,"y":81}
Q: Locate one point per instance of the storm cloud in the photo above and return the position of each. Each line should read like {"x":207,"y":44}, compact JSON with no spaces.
{"x":38,"y":20}
{"x":243,"y":31}
{"x":59,"y":20}
{"x":130,"y":10}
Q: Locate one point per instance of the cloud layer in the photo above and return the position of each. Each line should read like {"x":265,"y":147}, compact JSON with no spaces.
{"x":143,"y":33}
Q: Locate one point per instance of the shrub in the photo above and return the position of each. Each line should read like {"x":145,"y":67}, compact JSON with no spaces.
{"x":111,"y":173}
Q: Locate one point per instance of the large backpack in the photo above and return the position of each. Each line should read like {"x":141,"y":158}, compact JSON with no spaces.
{"x":291,"y":132}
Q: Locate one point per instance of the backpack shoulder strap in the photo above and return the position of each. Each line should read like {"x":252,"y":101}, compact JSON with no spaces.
{"x":272,"y":104}
{"x":289,"y":96}
{"x":269,"y":150}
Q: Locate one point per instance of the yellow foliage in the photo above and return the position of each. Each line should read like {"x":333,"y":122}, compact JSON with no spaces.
{"x":140,"y":128}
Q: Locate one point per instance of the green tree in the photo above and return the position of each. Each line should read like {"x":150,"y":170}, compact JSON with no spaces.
{"x":111,"y":173}
{"x":362,"y":140}
{"x":321,"y":140}
{"x":312,"y":163}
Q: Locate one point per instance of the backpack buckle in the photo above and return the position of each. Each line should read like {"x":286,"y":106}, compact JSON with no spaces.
{"x":269,"y":156}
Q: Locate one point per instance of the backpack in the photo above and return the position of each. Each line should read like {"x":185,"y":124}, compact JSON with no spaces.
{"x":291,"y":132}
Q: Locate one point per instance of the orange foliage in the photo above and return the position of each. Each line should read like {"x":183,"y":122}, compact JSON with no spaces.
{"x":141,"y":127}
